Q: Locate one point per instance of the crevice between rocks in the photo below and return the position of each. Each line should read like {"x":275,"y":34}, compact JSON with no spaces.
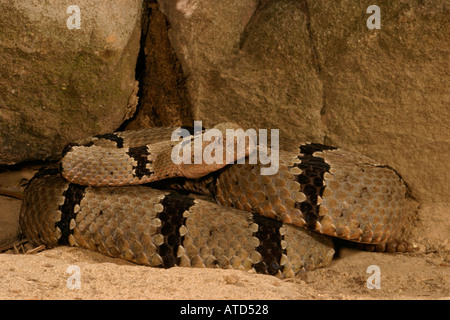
{"x":163,"y":97}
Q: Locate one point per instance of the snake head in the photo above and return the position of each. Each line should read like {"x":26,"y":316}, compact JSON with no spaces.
{"x":226,"y":143}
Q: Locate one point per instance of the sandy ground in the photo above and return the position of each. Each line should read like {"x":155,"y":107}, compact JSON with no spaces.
{"x":424,"y":274}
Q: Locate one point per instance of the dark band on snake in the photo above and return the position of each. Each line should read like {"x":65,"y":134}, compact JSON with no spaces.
{"x":311,"y":181}
{"x":72,"y":198}
{"x":270,"y":249}
{"x":171,"y":220}
{"x":112,"y":137}
{"x":140,"y":154}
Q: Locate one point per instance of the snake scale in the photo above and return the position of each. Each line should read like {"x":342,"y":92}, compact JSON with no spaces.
{"x":115,"y":194}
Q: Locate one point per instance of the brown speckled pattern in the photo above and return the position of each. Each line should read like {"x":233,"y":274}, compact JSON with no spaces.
{"x":355,"y":200}
{"x":263,"y":222}
{"x":165,"y":229}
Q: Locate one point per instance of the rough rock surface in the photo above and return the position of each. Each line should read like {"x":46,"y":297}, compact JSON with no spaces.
{"x":10,"y":203}
{"x":248,"y":64}
{"x":162,"y":88}
{"x":386,"y":91}
{"x":59,"y":84}
{"x":316,"y":72}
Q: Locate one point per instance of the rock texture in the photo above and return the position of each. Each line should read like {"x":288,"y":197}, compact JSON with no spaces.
{"x":386,"y":91}
{"x":248,"y":63}
{"x":59,"y":84}
{"x":162,"y":88}
{"x":10,"y":203}
{"x":316,"y":72}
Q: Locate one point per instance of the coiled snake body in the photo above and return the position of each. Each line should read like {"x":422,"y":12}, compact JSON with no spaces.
{"x":275,"y":224}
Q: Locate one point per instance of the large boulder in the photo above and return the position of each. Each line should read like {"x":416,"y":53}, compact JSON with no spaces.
{"x":60,"y":81}
{"x":386,"y":90}
{"x":248,"y":64}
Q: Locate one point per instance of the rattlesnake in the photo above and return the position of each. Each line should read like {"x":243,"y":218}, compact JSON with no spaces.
{"x":276,"y":224}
